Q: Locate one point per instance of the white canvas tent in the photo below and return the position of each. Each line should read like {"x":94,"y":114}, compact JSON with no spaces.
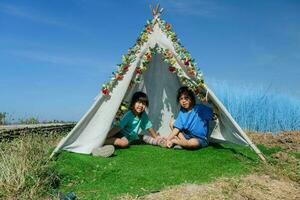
{"x":158,"y":65}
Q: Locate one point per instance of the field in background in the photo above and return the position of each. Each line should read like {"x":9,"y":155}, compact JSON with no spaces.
{"x":254,"y":108}
{"x":258,"y":108}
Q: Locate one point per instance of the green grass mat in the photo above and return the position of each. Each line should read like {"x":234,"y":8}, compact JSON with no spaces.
{"x":143,"y":169}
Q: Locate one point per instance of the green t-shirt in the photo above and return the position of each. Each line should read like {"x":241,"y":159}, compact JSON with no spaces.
{"x":131,"y":125}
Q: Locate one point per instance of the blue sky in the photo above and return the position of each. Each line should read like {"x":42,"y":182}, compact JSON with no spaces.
{"x":55,"y":55}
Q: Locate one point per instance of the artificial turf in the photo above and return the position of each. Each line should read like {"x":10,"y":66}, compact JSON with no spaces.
{"x":143,"y":169}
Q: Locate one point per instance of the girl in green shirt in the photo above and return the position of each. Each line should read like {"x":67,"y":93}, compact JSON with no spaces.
{"x":133,"y":121}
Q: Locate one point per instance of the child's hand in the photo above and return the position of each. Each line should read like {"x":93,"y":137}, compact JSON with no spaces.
{"x":169,"y":143}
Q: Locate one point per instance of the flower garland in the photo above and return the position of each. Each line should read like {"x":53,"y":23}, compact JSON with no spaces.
{"x":128,"y":59}
{"x":186,"y":58}
{"x":190,"y":66}
{"x":121,"y":111}
{"x":175,"y":68}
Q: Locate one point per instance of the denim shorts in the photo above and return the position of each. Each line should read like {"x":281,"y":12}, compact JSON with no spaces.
{"x":201,"y":141}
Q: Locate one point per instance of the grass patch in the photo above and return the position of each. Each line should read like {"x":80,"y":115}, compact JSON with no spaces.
{"x":295,"y":154}
{"x":142,"y":169}
{"x":25,"y":172}
{"x":24,"y":168}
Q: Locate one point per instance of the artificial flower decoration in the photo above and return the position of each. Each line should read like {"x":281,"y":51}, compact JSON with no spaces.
{"x":191,"y":72}
{"x":138,"y":70}
{"x":172,"y":69}
{"x":149,"y":29}
{"x":120,"y":113}
{"x":144,"y":37}
{"x":174,"y":39}
{"x":138,"y":79}
{"x":168,"y":57}
{"x":196,"y":91}
{"x":124,"y":107}
{"x":173,"y":61}
{"x":143,"y":68}
{"x":125,"y":67}
{"x":105,"y":91}
{"x":148,"y":56}
{"x":168,"y":26}
{"x":202,"y":84}
{"x":187,"y":62}
{"x":119,"y":76}
{"x":169,"y":54}
{"x":125,"y":58}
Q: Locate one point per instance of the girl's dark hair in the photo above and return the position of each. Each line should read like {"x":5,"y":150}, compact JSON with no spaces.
{"x":139,"y":97}
{"x":186,"y":91}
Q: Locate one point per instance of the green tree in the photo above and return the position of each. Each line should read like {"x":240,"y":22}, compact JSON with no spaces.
{"x":30,"y":120}
{"x":2,"y":118}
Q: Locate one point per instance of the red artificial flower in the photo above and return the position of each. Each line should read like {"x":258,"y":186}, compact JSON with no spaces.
{"x":105,"y":91}
{"x":119,"y":76}
{"x":172,"y":69}
{"x":187,"y":62}
{"x":125,"y":68}
{"x":138,"y":70}
{"x":197,"y":91}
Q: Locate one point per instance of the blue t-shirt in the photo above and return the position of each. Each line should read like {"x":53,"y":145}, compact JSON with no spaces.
{"x":195,"y":121}
{"x":130,"y":125}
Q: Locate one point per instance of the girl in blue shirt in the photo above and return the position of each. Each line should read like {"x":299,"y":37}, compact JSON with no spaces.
{"x":190,"y":128}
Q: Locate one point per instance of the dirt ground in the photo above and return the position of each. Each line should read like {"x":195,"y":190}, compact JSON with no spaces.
{"x":288,"y":141}
{"x":270,"y":185}
{"x":250,"y":187}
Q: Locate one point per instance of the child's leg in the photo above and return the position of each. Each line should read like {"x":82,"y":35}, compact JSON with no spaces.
{"x":154,"y":141}
{"x":119,"y":142}
{"x":150,"y":140}
{"x":113,"y":132}
{"x":191,"y":143}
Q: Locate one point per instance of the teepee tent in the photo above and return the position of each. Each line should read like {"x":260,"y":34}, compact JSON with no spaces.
{"x":158,"y":65}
